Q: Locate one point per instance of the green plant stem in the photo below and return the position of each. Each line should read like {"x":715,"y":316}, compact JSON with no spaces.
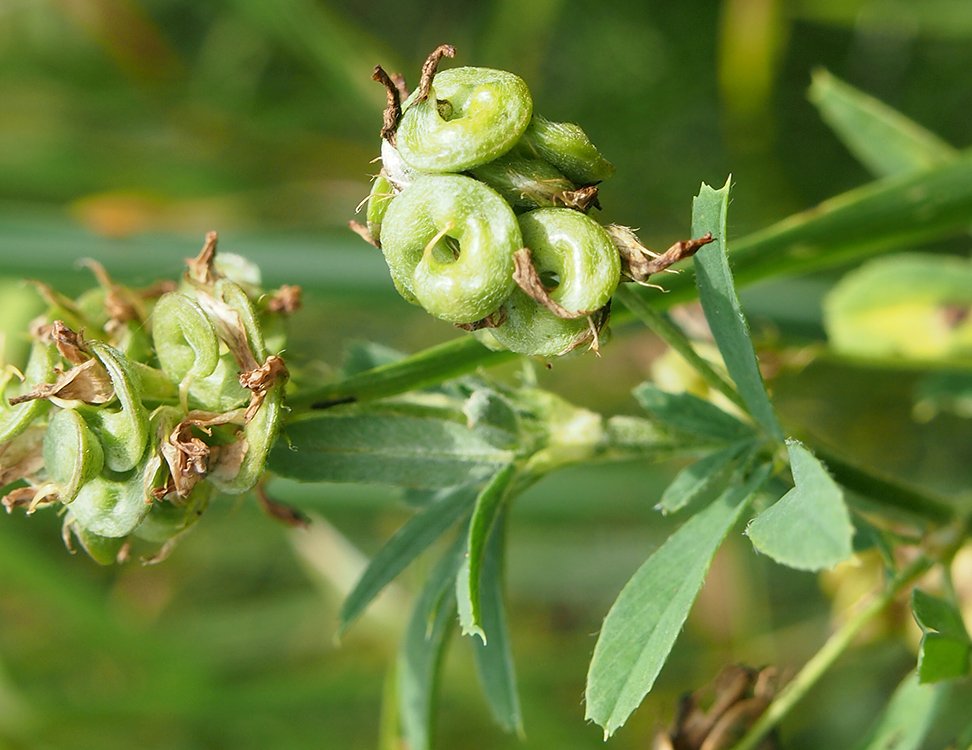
{"x":668,"y":332}
{"x":815,"y":668}
{"x":428,"y":367}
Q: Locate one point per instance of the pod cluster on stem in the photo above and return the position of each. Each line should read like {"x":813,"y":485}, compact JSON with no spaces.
{"x":136,"y":406}
{"x":482,"y":211}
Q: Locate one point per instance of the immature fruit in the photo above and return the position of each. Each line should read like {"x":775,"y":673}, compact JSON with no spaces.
{"x":449,"y":242}
{"x":472,"y":116}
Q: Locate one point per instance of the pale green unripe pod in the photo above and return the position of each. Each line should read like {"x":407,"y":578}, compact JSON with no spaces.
{"x":72,"y":454}
{"x":449,"y":242}
{"x":568,"y":148}
{"x":122,"y":429}
{"x":576,"y":251}
{"x":472,"y":116}
{"x":532,"y":329}
{"x":185,"y":341}
{"x":525,"y":183}
{"x":40,"y":369}
{"x":573,"y":252}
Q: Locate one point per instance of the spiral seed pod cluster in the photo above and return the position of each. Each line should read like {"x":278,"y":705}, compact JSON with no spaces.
{"x":481,"y":211}
{"x":136,"y":406}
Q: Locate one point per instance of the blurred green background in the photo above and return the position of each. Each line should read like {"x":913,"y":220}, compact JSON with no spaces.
{"x":128,"y":128}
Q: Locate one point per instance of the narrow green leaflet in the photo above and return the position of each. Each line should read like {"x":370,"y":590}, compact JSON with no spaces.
{"x":809,"y":528}
{"x":643,"y":623}
{"x":945,"y":648}
{"x":406,"y":451}
{"x":422,"y":648}
{"x":881,"y":138}
{"x":907,"y":718}
{"x":489,"y":505}
{"x":494,"y":660}
{"x":420,"y":531}
{"x":695,"y":479}
{"x":721,"y":305}
{"x":690,"y":414}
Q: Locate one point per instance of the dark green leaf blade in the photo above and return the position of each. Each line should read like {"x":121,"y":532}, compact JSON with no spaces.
{"x":942,"y":658}
{"x":907,"y":718}
{"x":696,"y":478}
{"x":717,"y":294}
{"x":494,"y":660}
{"x":422,"y":648}
{"x":809,"y":528}
{"x":413,"y":538}
{"x":934,"y":613}
{"x":489,"y":505}
{"x":643,"y":623}
{"x":690,"y":414}
{"x":407,"y":451}
{"x":880,"y":137}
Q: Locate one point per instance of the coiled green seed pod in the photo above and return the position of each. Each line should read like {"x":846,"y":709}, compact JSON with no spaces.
{"x":533,"y":330}
{"x":185,"y":341}
{"x":525,"y":184}
{"x":40,"y":369}
{"x":472,"y":116}
{"x":568,"y":148}
{"x":576,"y":255}
{"x":72,"y":454}
{"x":449,"y":242}
{"x":577,"y":252}
{"x":122,"y":430}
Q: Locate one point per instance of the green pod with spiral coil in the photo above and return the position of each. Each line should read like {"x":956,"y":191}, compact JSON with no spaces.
{"x":472,"y":116}
{"x":574,"y":254}
{"x":449,"y":242}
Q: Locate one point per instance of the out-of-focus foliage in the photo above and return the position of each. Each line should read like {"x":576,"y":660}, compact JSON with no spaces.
{"x":130,"y":127}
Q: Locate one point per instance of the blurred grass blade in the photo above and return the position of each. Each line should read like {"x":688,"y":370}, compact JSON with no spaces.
{"x":881,"y":138}
{"x":422,"y":647}
{"x":341,"y":53}
{"x":411,"y":540}
{"x":494,"y":661}
{"x":489,"y":505}
{"x":693,"y":480}
{"x":690,"y":414}
{"x":883,"y":215}
{"x":721,"y":305}
{"x":809,"y":528}
{"x":400,"y":450}
{"x":643,"y":623}
{"x":907,"y":719}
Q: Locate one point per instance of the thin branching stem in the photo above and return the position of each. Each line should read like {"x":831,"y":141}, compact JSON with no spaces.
{"x":825,"y":658}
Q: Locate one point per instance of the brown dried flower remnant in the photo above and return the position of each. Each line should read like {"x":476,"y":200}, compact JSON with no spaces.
{"x":736,"y":699}
{"x":286,"y":300}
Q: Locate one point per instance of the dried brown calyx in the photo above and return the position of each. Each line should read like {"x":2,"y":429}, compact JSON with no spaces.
{"x":717,"y":716}
{"x":638,"y":263}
